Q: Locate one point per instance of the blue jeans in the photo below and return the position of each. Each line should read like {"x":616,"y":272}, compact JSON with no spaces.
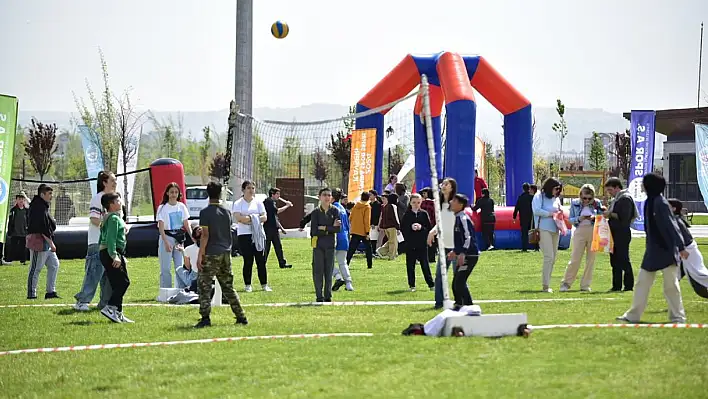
{"x":92,"y":277}
{"x":166,"y":259}
{"x":438,"y":280}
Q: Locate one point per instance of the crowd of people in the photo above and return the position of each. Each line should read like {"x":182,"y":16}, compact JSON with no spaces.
{"x":383,"y":226}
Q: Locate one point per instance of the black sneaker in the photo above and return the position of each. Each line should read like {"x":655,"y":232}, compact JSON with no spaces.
{"x":51,"y":295}
{"x":286,"y":266}
{"x":242,"y":320}
{"x":203,"y":323}
{"x":328,"y":300}
{"x":319,"y":300}
{"x":337,"y":285}
{"x":31,"y":297}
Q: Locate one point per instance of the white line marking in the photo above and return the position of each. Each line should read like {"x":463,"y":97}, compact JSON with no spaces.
{"x":619,"y":325}
{"x":352,"y":303}
{"x":187,"y":342}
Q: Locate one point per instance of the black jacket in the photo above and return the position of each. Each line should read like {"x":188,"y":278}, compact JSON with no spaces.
{"x":663,"y":238}
{"x":523,"y":207}
{"x":486,"y":207}
{"x":11,"y":222}
{"x":375,"y":213}
{"x":40,"y":221}
{"x":415,"y":239}
{"x":624,"y":208}
{"x":683,"y":229}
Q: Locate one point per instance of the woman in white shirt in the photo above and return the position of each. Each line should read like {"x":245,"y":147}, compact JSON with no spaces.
{"x":242,"y":211}
{"x":173,"y":223}
{"x":448,"y":189}
{"x":582,"y":216}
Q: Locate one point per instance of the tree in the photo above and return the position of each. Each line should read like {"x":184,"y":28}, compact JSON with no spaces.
{"x":262,"y":168}
{"x":129,"y":126}
{"x":540,"y":169}
{"x":560,"y":127}
{"x":597,"y":157}
{"x":100,"y":116}
{"x":40,"y":146}
{"x":217,"y":169}
{"x":535,"y":138}
{"x":397,"y":160}
{"x":320,"y":167}
{"x":169,"y":134}
{"x":204,"y":152}
{"x":340,"y":146}
{"x":292,"y":150}
{"x":623,"y":153}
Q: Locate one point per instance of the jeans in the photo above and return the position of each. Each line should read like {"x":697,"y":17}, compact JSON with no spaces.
{"x":94,"y":275}
{"x":438,"y":280}
{"x":166,"y":259}
{"x":39,"y":259}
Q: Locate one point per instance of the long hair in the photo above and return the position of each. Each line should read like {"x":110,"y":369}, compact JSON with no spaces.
{"x":102,"y":179}
{"x":166,"y":196}
{"x":548,"y":186}
{"x":453,"y":192}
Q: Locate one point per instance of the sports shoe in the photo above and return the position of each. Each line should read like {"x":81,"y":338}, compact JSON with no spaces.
{"x":432,"y":288}
{"x":266,"y":288}
{"x":32,"y":297}
{"x":586,"y":289}
{"x":51,"y":295}
{"x":249,"y":288}
{"x":547,"y":290}
{"x":337,"y":285}
{"x":348,"y":286}
{"x":81,"y":307}
{"x":242,"y":320}
{"x":111,"y":313}
{"x":286,"y":266}
{"x":124,"y":319}
{"x":203,"y":323}
{"x":564,"y":287}
{"x":412,"y":289}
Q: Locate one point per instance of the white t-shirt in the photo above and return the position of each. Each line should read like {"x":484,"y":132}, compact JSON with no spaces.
{"x":173,"y":216}
{"x":95,"y":211}
{"x":246,"y":208}
{"x":192,"y":252}
{"x":587,"y":211}
{"x":448,"y":222}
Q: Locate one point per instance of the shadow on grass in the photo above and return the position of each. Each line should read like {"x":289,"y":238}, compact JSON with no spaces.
{"x":81,"y":323}
{"x":397,"y":292}
{"x":67,"y":312}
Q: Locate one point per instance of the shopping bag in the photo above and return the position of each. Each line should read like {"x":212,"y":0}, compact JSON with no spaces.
{"x":560,"y":220}
{"x":602,"y":236}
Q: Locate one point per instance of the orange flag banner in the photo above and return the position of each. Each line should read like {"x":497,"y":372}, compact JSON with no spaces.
{"x":361,"y":171}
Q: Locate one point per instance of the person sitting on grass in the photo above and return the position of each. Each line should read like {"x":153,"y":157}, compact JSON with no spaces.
{"x":187,"y":274}
{"x":415,"y":228}
{"x":465,"y":252}
{"x":324,"y":226}
{"x":214,"y":259}
{"x":111,"y":246}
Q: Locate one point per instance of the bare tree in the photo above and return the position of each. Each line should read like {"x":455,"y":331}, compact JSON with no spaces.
{"x":100,"y":116}
{"x":320,"y":169}
{"x":40,"y":146}
{"x":204,"y":150}
{"x":623,"y":152}
{"x":341,"y":148}
{"x":129,"y":124}
{"x":535,"y":138}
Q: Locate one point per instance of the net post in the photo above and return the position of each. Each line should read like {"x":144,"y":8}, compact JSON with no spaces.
{"x":428,"y":121}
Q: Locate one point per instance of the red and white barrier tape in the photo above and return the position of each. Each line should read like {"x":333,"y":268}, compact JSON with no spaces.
{"x":187,"y":342}
{"x":619,"y":325}
{"x":349,"y":303}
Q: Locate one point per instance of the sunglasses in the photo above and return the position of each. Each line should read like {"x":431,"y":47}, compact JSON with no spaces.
{"x":587,"y":198}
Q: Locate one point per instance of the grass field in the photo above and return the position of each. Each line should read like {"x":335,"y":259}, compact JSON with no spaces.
{"x":654,"y":363}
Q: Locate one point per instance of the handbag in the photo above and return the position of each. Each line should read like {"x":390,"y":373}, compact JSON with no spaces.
{"x":535,"y":233}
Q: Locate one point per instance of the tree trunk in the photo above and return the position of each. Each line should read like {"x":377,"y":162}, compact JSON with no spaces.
{"x":125,"y":190}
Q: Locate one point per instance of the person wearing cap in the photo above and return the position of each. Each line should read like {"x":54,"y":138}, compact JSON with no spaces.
{"x":187,"y":274}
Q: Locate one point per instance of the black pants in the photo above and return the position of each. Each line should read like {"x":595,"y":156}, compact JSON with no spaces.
{"x":459,"y":281}
{"x":16,"y":250}
{"x":620,"y":262}
{"x":117,"y":276}
{"x":418,"y":253}
{"x":433,"y":253}
{"x":354,"y":244}
{"x":488,"y":233}
{"x":273,"y":237}
{"x":525,"y":228}
{"x":249,"y":253}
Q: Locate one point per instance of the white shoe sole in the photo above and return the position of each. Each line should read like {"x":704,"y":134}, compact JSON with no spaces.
{"x":111,"y":317}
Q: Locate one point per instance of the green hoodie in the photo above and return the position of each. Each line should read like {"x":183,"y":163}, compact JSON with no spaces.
{"x":113,"y":234}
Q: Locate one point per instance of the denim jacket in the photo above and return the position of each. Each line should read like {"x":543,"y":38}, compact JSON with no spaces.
{"x":576,"y":207}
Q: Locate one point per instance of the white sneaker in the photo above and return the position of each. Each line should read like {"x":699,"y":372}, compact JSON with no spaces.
{"x":124,"y":319}
{"x":412,"y":289}
{"x":348,"y":286}
{"x":249,"y":288}
{"x":564,"y":287}
{"x":547,"y":290}
{"x":267,"y":288}
{"x":111,"y":313}
{"x":586,"y":289}
{"x":81,"y":307}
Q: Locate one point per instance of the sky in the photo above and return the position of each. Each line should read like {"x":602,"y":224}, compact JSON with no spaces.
{"x":179,"y":55}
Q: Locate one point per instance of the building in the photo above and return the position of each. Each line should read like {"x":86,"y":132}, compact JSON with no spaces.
{"x":608,"y":142}
{"x":679,"y":159}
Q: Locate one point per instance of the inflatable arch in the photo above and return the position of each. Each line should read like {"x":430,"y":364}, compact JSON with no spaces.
{"x":452,"y":78}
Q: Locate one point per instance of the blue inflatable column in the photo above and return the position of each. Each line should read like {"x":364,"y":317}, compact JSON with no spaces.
{"x":374,"y":121}
{"x":518,"y":143}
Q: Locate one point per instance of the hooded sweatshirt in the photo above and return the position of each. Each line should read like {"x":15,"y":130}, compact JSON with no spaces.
{"x":40,"y":221}
{"x":360,"y":219}
{"x":343,"y":234}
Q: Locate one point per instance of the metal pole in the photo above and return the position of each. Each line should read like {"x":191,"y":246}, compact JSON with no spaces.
{"x":243,"y":93}
{"x":700,"y":65}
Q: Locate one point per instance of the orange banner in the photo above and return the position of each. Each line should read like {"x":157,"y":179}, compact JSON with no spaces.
{"x":361,"y":171}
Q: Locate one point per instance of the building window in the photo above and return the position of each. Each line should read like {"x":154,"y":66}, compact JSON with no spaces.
{"x":683,"y":178}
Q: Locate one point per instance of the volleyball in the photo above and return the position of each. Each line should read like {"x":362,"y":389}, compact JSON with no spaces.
{"x":279,"y":30}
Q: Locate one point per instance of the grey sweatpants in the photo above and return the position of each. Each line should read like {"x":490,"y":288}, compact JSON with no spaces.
{"x":322,"y":268}
{"x":38,"y":259}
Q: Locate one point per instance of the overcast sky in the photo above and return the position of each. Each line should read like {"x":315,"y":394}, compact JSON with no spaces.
{"x":178,"y":55}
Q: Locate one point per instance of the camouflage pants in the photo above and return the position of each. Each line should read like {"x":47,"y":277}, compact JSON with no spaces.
{"x":218,"y":266}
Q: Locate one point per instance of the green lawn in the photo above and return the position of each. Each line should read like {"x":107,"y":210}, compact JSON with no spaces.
{"x":554,"y":363}
{"x":699,"y":220}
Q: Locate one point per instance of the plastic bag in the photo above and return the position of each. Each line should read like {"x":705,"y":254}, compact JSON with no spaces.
{"x":561,"y":223}
{"x":602,"y":236}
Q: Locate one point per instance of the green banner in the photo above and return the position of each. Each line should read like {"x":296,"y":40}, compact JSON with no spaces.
{"x":8,"y":127}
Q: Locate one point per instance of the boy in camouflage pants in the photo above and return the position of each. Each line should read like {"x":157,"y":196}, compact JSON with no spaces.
{"x":215,"y":257}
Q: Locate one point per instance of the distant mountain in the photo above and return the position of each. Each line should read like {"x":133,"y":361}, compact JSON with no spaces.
{"x":581,"y":122}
